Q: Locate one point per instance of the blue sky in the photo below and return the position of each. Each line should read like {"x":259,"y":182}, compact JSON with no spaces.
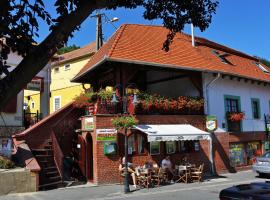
{"x":240,"y":24}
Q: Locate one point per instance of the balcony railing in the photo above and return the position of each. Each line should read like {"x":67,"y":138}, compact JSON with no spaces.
{"x":147,"y":108}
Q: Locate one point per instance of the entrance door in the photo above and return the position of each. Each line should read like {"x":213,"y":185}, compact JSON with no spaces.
{"x":82,"y":155}
{"x":90,"y":172}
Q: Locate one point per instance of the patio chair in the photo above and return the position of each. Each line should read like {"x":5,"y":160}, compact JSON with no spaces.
{"x":160,"y":177}
{"x":197,"y":173}
{"x":143,"y":177}
{"x":183,"y":174}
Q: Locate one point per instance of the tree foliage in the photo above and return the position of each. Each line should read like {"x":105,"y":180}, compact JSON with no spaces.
{"x":20,"y":21}
{"x":67,"y":49}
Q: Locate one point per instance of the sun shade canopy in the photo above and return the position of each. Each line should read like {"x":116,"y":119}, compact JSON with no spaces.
{"x":172,"y":132}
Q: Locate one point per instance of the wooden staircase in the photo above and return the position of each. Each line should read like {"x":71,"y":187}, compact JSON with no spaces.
{"x":49,"y":177}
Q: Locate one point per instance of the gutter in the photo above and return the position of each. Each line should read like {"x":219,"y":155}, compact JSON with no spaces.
{"x":207,"y":92}
{"x":211,"y":156}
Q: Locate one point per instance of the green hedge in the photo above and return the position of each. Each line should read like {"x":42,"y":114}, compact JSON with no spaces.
{"x":6,"y":163}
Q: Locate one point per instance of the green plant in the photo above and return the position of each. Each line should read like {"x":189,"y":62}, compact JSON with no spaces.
{"x":235,"y":116}
{"x":82,"y":101}
{"x":105,"y":95}
{"x":6,"y":163}
{"x":124,"y":122}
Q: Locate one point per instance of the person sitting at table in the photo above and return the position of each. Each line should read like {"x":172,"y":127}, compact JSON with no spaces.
{"x":166,"y":164}
{"x":130,"y":171}
{"x":148,"y":164}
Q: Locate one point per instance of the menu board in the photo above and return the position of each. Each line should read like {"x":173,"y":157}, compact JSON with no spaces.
{"x":237,"y":154}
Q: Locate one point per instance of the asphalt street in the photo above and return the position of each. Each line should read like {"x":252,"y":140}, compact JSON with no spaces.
{"x":207,"y":190}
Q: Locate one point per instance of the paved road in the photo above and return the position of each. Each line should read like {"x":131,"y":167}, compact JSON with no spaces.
{"x":207,"y":190}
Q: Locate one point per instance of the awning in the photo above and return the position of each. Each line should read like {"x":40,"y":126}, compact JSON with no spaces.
{"x":172,"y":132}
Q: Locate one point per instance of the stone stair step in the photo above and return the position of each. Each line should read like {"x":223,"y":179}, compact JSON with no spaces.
{"x":52,"y":184}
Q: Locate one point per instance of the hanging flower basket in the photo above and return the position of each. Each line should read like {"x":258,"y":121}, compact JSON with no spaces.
{"x":235,"y":116}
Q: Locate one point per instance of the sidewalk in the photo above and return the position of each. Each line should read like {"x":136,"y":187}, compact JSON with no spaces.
{"x":209,"y":189}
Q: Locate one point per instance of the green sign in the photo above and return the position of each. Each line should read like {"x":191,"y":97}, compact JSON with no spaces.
{"x":106,"y":134}
{"x":211,"y":123}
{"x":88,"y":123}
{"x":110,"y":148}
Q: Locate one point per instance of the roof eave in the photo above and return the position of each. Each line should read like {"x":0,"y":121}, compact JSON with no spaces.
{"x":77,"y":77}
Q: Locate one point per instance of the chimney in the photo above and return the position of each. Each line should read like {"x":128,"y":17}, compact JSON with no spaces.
{"x":192,"y":35}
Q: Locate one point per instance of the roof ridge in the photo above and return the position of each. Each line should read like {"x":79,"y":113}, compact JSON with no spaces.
{"x":121,"y":30}
{"x":77,"y":49}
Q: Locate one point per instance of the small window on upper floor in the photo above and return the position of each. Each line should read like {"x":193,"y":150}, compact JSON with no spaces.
{"x":262,"y":67}
{"x":67,"y":67}
{"x":56,"y":70}
{"x":222,"y":57}
{"x":32,"y":105}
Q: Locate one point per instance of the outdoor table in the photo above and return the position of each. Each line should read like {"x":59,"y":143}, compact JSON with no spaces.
{"x":184,"y":172}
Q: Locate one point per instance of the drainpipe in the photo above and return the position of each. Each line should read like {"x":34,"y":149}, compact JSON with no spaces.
{"x":211,"y":155}
{"x":207,"y":93}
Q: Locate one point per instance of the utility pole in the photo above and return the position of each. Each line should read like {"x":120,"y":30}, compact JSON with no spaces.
{"x":99,"y":35}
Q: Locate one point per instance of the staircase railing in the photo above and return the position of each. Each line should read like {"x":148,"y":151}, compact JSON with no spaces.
{"x":58,"y":155}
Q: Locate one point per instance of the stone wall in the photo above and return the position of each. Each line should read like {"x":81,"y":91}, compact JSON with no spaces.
{"x":17,"y":181}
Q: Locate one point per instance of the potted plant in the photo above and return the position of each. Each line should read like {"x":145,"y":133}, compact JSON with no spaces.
{"x":235,"y":116}
{"x":85,"y":101}
{"x":234,"y":120}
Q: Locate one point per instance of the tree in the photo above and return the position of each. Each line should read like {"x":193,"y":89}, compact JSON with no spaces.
{"x":67,"y":49}
{"x":264,"y":61}
{"x":19,"y":25}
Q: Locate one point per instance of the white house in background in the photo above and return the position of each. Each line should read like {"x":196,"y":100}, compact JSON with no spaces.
{"x":236,"y":94}
{"x":11,"y":119}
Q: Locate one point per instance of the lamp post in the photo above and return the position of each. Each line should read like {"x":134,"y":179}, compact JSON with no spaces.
{"x":134,"y":101}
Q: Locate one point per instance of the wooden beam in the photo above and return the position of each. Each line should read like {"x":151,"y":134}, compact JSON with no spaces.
{"x":167,"y":79}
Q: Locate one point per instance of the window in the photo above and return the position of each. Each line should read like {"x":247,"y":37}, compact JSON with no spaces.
{"x":154,"y":148}
{"x":222,"y":57}
{"x":170,"y":147}
{"x":188,"y":146}
{"x":141,"y":143}
{"x":131,"y":144}
{"x":57,"y":103}
{"x":255,"y":103}
{"x":232,"y":105}
{"x":56,"y":70}
{"x":261,"y":67}
{"x":32,"y":105}
{"x":67,"y":67}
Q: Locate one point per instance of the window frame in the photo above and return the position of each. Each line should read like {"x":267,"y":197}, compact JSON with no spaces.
{"x":238,"y":98}
{"x":166,"y":146}
{"x":56,"y":97}
{"x":33,"y":105}
{"x":257,"y":100}
{"x":150,"y":150}
{"x":67,"y":67}
{"x":56,"y":71}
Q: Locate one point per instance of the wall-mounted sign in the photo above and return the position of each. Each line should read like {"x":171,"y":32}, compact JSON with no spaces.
{"x":88,"y":123}
{"x":106,"y":134}
{"x":211,"y":123}
{"x":36,"y":84}
{"x":110,"y":148}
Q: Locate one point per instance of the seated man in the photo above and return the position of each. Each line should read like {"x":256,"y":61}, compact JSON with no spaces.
{"x":148,"y":164}
{"x":130,"y":170}
{"x":166,"y":164}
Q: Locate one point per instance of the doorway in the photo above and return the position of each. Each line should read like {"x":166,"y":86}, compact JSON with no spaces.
{"x":89,"y":157}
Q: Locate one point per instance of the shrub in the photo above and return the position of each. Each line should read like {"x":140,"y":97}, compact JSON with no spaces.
{"x":6,"y":163}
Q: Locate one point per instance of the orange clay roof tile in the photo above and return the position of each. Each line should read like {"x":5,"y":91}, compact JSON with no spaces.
{"x":78,"y":53}
{"x":143,"y":44}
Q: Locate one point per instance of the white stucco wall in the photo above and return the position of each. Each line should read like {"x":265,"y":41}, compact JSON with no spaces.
{"x":13,"y":119}
{"x":246,"y":91}
{"x":172,"y":88}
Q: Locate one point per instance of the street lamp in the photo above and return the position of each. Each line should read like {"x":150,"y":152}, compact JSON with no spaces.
{"x":134,"y":101}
